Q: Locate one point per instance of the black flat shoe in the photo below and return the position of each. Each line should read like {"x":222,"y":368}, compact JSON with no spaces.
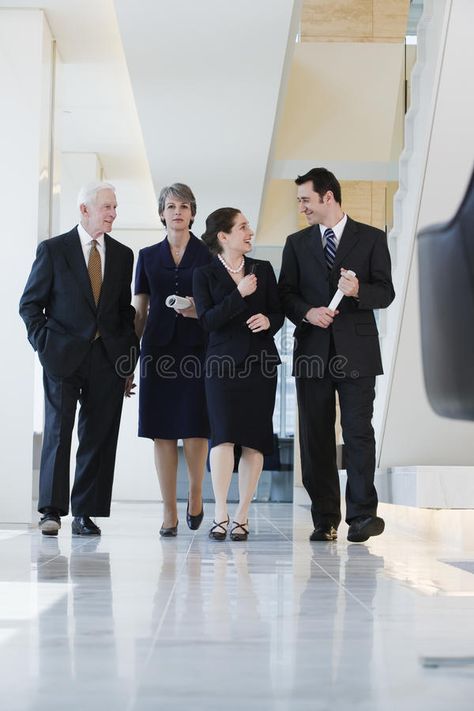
{"x":363,"y":527}
{"x":219,"y":535}
{"x":324,"y":532}
{"x":83,"y":526}
{"x":240,"y":531}
{"x":170,"y":532}
{"x":194,"y":521}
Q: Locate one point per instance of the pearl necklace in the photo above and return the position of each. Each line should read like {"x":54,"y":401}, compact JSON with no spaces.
{"x":229,"y":269}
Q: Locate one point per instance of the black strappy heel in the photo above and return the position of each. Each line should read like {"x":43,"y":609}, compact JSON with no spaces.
{"x":219,"y":535}
{"x":240,"y":536}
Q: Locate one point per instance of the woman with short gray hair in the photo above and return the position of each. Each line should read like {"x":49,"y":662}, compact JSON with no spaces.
{"x":172,"y":401}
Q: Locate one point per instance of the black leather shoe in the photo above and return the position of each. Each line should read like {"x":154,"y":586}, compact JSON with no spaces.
{"x":323,"y":532}
{"x":83,"y":526}
{"x":194,"y":521}
{"x":50,"y":523}
{"x":363,"y":527}
{"x":169,"y":532}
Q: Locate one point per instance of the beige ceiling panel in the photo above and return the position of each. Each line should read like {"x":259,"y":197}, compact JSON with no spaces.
{"x":390,"y":19}
{"x":336,"y":20}
{"x":354,"y":20}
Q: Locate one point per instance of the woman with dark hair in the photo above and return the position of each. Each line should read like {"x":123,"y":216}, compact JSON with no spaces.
{"x":237,"y":303}
{"x":172,"y":402}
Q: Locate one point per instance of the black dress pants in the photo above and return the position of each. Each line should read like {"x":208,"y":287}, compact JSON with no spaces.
{"x":99,"y":390}
{"x":317,"y":414}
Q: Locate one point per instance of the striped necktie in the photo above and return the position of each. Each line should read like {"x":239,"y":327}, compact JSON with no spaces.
{"x":94,"y":267}
{"x":330,"y":247}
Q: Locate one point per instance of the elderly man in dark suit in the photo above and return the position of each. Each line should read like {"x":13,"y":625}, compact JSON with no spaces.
{"x":77,"y":311}
{"x":336,"y":350}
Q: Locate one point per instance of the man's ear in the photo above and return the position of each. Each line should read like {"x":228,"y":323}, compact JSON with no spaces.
{"x":83,"y":209}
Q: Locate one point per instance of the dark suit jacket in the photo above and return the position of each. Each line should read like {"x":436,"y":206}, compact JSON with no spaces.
{"x":157,"y":275}
{"x":59,"y":311}
{"x":306,"y":282}
{"x":223,"y":312}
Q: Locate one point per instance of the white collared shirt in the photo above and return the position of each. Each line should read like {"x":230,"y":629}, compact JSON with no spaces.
{"x":337,"y":229}
{"x":86,"y":244}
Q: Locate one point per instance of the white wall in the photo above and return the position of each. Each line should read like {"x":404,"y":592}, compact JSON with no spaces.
{"x":25,"y":87}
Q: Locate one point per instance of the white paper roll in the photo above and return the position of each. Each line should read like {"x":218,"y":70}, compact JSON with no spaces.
{"x":178,"y":302}
{"x":336,"y":299}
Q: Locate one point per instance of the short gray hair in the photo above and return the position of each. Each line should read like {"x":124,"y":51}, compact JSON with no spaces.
{"x":88,"y":193}
{"x":181,"y":192}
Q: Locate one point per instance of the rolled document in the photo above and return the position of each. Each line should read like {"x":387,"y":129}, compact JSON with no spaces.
{"x":336,"y":299}
{"x":177,"y":302}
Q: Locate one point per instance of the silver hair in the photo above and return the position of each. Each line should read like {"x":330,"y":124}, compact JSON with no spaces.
{"x":88,"y":193}
{"x":181,"y":192}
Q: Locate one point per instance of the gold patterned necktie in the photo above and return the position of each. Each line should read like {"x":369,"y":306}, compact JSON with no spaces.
{"x":94,"y":267}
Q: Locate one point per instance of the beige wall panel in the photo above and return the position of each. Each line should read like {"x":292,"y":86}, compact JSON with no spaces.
{"x":390,"y":18}
{"x":364,"y":201}
{"x":392,"y":187}
{"x":378,"y":207}
{"x":336,"y":20}
{"x":357,"y":199}
{"x":341,"y":103}
{"x":279,"y":216}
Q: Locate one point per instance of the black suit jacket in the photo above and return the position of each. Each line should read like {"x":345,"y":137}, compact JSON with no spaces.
{"x":306,"y":282}
{"x":223,"y":312}
{"x":59,"y":311}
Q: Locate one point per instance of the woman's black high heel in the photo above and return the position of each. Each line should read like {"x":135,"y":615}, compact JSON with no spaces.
{"x":241,"y":535}
{"x":219,"y":535}
{"x":194,"y":521}
{"x":169,"y":532}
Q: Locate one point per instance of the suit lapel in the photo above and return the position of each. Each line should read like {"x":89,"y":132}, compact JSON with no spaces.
{"x":349,"y":239}
{"x":315,"y":245}
{"x":75,"y":258}
{"x":222,"y":276}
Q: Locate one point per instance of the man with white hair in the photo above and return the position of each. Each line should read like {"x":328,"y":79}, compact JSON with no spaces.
{"x":77,"y":311}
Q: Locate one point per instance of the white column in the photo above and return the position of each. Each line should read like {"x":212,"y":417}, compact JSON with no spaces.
{"x":25,"y":120}
{"x":77,"y":169}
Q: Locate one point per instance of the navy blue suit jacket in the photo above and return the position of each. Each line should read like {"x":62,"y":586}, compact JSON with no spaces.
{"x":158,"y":276}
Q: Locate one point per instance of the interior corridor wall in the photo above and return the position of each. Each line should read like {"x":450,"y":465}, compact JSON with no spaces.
{"x":413,"y":433}
{"x":25,"y":86}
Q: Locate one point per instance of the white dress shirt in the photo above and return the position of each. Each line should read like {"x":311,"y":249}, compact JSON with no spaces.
{"x":86,"y":244}
{"x":337,"y":229}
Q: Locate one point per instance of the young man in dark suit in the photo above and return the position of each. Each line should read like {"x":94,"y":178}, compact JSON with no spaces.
{"x":77,"y":311}
{"x":336,"y":350}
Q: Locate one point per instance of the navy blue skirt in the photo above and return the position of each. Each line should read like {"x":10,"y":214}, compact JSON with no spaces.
{"x":172,"y":400}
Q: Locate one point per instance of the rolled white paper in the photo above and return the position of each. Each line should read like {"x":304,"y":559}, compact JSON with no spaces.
{"x":336,"y":299}
{"x":173,"y":301}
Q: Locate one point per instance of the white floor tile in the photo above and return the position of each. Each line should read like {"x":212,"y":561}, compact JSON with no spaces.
{"x":132,"y":622}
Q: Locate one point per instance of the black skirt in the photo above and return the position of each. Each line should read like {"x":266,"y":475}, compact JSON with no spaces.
{"x":240,"y":407}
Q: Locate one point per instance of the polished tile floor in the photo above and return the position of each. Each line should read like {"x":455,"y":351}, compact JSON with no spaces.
{"x":132,"y":622}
